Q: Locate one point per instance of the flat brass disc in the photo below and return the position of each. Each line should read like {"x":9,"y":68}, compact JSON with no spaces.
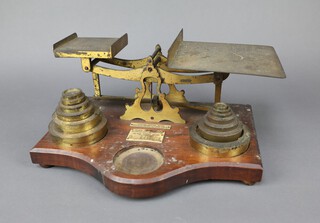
{"x":220,"y":149}
{"x":138,"y":160}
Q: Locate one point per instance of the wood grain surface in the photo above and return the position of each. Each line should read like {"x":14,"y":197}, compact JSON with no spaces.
{"x":181,"y":163}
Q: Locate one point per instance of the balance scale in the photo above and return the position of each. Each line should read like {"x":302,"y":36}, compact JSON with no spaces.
{"x":154,"y":142}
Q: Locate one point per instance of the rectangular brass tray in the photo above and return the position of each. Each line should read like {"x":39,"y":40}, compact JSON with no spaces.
{"x":87,"y":47}
{"x":225,"y":58}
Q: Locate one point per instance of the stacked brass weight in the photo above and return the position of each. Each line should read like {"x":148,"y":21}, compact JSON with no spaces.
{"x":220,"y":133}
{"x":76,"y":121}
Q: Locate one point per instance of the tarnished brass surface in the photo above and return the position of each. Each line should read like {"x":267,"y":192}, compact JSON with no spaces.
{"x":225,"y":58}
{"x":82,"y":47}
{"x":76,"y":121}
{"x":175,"y":95}
{"x":218,"y":79}
{"x":138,"y":160}
{"x":144,"y":135}
{"x":187,"y":63}
{"x":220,"y":133}
{"x":150,"y":125}
{"x":147,"y":71}
{"x":159,"y":108}
{"x":135,"y":111}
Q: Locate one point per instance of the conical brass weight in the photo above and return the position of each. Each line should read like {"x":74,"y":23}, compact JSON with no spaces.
{"x":220,"y":133}
{"x":76,"y":121}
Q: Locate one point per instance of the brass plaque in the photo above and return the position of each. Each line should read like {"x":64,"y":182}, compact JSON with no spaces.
{"x":150,"y":125}
{"x":145,"y":135}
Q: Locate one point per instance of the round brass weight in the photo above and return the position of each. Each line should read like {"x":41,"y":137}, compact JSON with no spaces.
{"x":220,"y":133}
{"x":76,"y":121}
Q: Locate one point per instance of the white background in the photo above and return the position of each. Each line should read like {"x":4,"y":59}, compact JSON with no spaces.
{"x":286,"y":111}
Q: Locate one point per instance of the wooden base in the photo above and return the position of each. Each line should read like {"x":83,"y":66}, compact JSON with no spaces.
{"x":181,"y":163}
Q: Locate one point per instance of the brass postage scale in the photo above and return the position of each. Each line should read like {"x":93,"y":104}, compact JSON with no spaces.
{"x":155,"y":142}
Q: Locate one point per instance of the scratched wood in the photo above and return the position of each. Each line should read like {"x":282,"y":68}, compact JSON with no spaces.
{"x":182,"y":164}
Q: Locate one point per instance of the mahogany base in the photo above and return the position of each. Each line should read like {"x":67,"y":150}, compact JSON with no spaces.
{"x":181,"y":163}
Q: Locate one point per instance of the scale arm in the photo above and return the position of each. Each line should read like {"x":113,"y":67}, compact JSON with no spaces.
{"x":166,"y":77}
{"x":133,"y":63}
{"x":126,"y":63}
{"x":130,"y":75}
{"x":171,"y":78}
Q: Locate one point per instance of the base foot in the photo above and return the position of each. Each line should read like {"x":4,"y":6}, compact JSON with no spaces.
{"x":45,"y":166}
{"x":249,"y":183}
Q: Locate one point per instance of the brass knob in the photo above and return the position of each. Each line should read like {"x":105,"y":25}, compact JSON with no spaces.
{"x":76,"y":121}
{"x":220,"y":133}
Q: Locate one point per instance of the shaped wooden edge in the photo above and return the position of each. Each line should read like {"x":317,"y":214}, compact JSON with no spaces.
{"x":143,"y":188}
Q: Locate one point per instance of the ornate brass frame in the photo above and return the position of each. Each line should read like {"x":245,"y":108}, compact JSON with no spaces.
{"x":155,"y":69}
